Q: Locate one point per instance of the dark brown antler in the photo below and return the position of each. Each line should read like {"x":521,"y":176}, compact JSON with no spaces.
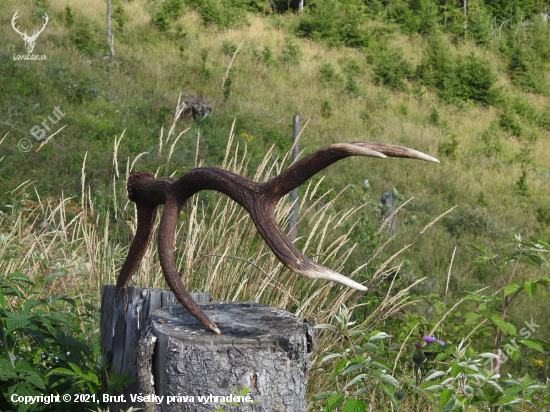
{"x":258,"y":199}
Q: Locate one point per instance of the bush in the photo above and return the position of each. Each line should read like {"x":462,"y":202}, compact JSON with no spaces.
{"x":449,"y":149}
{"x":479,"y":26}
{"x":416,"y":16}
{"x":290,"y":53}
{"x":491,"y":142}
{"x":474,"y":80}
{"x":437,"y":62}
{"x":392,"y":69}
{"x":82,"y":37}
{"x":352,"y":88}
{"x":49,"y":347}
{"x":265,"y":56}
{"x":328,"y":74}
{"x":223,"y":14}
{"x":327,"y":21}
{"x":523,"y":71}
{"x":509,"y":122}
{"x":168,"y":11}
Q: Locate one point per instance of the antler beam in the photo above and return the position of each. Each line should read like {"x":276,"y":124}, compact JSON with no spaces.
{"x":259,"y":201}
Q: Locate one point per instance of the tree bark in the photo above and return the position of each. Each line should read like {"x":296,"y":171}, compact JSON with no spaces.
{"x":263,"y":348}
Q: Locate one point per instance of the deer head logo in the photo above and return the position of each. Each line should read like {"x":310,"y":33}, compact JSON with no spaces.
{"x":29,"y":39}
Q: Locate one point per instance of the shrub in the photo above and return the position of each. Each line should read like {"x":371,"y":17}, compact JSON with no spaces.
{"x":48,"y":346}
{"x":474,"y":80}
{"x":223,"y":14}
{"x":352,"y":88}
{"x":328,"y":21}
{"x":392,"y":69}
{"x":290,"y":53}
{"x":82,"y":37}
{"x":479,"y":26}
{"x":328,"y":74}
{"x":228,"y":47}
{"x":322,"y":21}
{"x":120,"y":16}
{"x":449,"y":149}
{"x":168,"y":11}
{"x":265,"y":56}
{"x":437,"y":62}
{"x":491,"y":142}
{"x":416,"y":16}
{"x":326,"y":109}
{"x":509,"y":122}
{"x":523,"y":71}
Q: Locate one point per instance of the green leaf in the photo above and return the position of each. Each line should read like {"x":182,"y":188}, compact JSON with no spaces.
{"x":530,"y":287}
{"x":511,"y":288}
{"x":33,"y":378}
{"x":353,"y":367}
{"x":15,"y":321}
{"x":500,"y":323}
{"x":532,"y":344}
{"x":390,"y":380}
{"x":355,"y":380}
{"x":511,"y":329}
{"x":508,"y":400}
{"x":334,"y":400}
{"x":445,"y":396}
{"x":354,"y":405}
{"x":18,"y":276}
{"x":476,"y":297}
{"x":322,"y":395}
{"x":341,"y":365}
{"x":471,"y":316}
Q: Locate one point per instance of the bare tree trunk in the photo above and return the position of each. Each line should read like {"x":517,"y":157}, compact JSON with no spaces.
{"x":301,"y":7}
{"x":108,"y":21}
{"x":465,"y":19}
{"x":110,"y":34}
{"x":294,"y":194}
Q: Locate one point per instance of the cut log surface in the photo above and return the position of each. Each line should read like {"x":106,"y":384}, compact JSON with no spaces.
{"x":261,"y":348}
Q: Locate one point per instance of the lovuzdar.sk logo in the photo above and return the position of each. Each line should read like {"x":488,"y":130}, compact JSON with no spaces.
{"x":29,"y":40}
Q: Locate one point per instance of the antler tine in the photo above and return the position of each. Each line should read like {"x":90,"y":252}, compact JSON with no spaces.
{"x":147,"y":214}
{"x":396,"y":151}
{"x":167,"y":233}
{"x":305,"y":168}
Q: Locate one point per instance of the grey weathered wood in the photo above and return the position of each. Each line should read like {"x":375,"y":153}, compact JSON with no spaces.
{"x":123,"y":320}
{"x":262,"y":348}
{"x":388,"y":202}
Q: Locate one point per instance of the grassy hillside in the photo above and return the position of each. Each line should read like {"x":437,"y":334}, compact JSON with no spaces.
{"x":480,"y":103}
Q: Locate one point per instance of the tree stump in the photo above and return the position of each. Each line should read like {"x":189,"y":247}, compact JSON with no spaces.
{"x":261,"y":348}
{"x":123,"y":320}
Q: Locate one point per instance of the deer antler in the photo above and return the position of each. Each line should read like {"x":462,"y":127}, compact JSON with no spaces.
{"x":35,"y":34}
{"x":259,"y":201}
{"x":15,"y":16}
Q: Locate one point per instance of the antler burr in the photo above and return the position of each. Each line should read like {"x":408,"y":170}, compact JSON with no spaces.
{"x":258,"y":199}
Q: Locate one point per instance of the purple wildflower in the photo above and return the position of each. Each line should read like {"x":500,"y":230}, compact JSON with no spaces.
{"x":365,"y":181}
{"x":430,"y":339}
